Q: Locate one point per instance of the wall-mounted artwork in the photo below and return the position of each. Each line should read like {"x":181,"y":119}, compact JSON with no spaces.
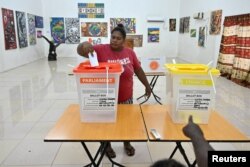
{"x":153,"y":35}
{"x":94,"y":29}
{"x":193,"y":33}
{"x":181,"y":27}
{"x":128,"y":23}
{"x":21,"y":29}
{"x":32,"y":29}
{"x":95,"y":41}
{"x":202,"y":36}
{"x":57,"y":29}
{"x":172,"y":24}
{"x":9,"y":29}
{"x":215,"y":23}
{"x":39,"y":21}
{"x":138,"y":39}
{"x":39,"y":34}
{"x":91,"y":10}
{"x":72,"y":30}
{"x":186,"y":24}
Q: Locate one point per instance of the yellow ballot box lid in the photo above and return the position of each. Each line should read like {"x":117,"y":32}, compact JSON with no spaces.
{"x":196,"y":69}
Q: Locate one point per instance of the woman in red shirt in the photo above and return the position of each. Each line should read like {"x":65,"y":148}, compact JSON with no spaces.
{"x":116,"y":52}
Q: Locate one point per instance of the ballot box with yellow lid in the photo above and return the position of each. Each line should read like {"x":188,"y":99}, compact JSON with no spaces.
{"x":191,"y":90}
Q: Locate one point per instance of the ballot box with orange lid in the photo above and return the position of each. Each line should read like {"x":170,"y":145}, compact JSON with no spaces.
{"x":98,"y":91}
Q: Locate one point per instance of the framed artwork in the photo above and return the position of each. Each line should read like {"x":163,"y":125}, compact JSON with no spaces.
{"x":57,"y":29}
{"x":128,"y":23}
{"x":215,"y":23}
{"x":186,"y":24}
{"x":72,"y":27}
{"x":94,"y":29}
{"x":193,"y":33}
{"x":32,"y":29}
{"x":153,"y":35}
{"x":39,"y":21}
{"x":9,"y":29}
{"x":138,"y":39}
{"x":21,"y":29}
{"x":181,"y":27}
{"x":202,"y":36}
{"x":172,"y":24}
{"x":91,"y":10}
{"x":39,"y":34}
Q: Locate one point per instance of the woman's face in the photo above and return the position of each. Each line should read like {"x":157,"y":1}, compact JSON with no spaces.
{"x":117,"y":41}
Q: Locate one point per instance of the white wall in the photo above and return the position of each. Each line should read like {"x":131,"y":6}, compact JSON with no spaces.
{"x":16,"y":57}
{"x":139,"y":9}
{"x":188,"y":48}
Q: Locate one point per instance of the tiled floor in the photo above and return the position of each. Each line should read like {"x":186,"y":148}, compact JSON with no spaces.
{"x":35,"y":95}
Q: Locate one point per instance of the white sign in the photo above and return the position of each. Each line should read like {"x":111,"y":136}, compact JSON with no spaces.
{"x":153,"y":64}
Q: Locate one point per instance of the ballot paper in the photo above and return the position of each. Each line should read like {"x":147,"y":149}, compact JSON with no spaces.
{"x":93,"y":59}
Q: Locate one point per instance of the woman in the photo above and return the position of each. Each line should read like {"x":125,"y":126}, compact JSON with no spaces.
{"x":116,"y":52}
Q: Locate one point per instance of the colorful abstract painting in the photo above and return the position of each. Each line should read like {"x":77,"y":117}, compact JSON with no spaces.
{"x":57,"y":29}
{"x":193,"y":33}
{"x":91,"y":10}
{"x":153,"y":35}
{"x":128,"y":23}
{"x":215,"y":23}
{"x":138,"y":39}
{"x":32,"y":29}
{"x":21,"y":29}
{"x":9,"y":29}
{"x":39,"y":21}
{"x":94,"y":29}
{"x":202,"y":36}
{"x":72,"y":26}
{"x":172,"y":24}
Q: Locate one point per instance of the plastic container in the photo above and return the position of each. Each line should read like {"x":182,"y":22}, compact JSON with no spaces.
{"x":190,"y":91}
{"x":98,"y":91}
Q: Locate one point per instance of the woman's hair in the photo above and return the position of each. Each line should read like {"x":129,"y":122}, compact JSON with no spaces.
{"x":121,"y":29}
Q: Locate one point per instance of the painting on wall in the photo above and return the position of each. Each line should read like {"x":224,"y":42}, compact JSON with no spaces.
{"x":172,"y":24}
{"x":128,"y":23}
{"x":193,"y":33}
{"x":32,"y":29}
{"x":94,"y":29}
{"x":39,"y":34}
{"x":181,"y":28}
{"x":202,"y":36}
{"x":21,"y":29}
{"x":57,"y":29}
{"x":186,"y":24}
{"x":9,"y":29}
{"x":95,"y":41}
{"x":138,"y":39}
{"x":72,"y":30}
{"x":215,"y":23}
{"x":91,"y":10}
{"x":153,"y":35}
{"x":39,"y":21}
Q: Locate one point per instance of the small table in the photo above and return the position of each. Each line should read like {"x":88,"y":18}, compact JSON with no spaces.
{"x":217,"y":130}
{"x":129,"y":126}
{"x":152,"y":85}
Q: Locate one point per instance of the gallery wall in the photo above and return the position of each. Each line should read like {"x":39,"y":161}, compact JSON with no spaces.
{"x":188,"y":48}
{"x":16,"y":57}
{"x":139,"y":9}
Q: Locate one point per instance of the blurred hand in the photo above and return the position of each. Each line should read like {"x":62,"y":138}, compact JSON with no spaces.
{"x":148,"y":91}
{"x":191,"y":129}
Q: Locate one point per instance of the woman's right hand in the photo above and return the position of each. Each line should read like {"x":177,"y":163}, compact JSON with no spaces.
{"x":84,"y":49}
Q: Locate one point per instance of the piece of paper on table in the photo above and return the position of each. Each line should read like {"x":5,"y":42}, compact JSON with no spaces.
{"x":93,"y":59}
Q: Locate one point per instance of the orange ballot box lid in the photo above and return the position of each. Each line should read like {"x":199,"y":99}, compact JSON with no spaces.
{"x":103,"y":67}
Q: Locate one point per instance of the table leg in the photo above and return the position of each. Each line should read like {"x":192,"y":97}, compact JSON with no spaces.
{"x":182,"y":151}
{"x":101,"y":151}
{"x":152,"y":85}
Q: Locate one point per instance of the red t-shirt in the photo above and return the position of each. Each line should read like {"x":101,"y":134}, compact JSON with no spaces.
{"x":129,"y":61}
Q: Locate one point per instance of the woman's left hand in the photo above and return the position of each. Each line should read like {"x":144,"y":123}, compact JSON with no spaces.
{"x":148,"y":91}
